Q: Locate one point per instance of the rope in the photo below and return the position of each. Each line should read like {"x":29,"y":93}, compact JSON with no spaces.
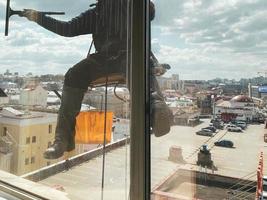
{"x":89,"y":51}
{"x":116,"y":95}
{"x":104,"y":142}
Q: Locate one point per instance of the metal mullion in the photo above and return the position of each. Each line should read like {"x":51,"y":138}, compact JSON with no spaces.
{"x":139,"y":88}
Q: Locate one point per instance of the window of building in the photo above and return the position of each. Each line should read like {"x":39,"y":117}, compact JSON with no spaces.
{"x":32,"y":159}
{"x":50,"y":128}
{"x":26,"y":161}
{"x":28,"y":140}
{"x":5,"y":131}
{"x":33,"y":139}
{"x":49,"y":144}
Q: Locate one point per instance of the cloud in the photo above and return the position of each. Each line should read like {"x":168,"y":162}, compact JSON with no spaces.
{"x":211,"y":37}
{"x":29,"y":47}
{"x":201,"y":39}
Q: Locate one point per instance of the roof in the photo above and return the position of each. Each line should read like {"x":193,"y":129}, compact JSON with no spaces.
{"x":225,"y":104}
{"x":83,"y":181}
{"x":242,"y":98}
{"x":8,"y":111}
{"x":2,"y":93}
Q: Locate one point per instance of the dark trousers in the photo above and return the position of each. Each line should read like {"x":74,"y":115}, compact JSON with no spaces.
{"x":93,"y":67}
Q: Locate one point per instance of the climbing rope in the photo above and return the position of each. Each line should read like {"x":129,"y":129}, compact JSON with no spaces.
{"x":104,"y":141}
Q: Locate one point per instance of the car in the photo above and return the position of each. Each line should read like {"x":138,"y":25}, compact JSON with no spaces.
{"x":240,"y":124}
{"x":233,"y":128}
{"x":212,"y":128}
{"x":224,"y":143}
{"x":205,"y":132}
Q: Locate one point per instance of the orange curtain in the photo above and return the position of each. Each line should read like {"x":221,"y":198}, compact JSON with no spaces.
{"x":90,"y":127}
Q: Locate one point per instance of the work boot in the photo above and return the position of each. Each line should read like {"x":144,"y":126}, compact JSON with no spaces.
{"x":65,"y":130}
{"x":162,"y":117}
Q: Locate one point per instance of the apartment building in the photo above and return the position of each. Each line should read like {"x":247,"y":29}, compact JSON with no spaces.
{"x":28,"y":134}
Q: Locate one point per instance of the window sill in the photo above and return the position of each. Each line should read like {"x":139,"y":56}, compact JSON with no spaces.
{"x":25,"y":189}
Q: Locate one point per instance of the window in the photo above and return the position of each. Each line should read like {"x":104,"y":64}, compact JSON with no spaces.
{"x":49,"y":144}
{"x":203,"y":44}
{"x":26,"y":161}
{"x":28,"y":140}
{"x":5,"y":131}
{"x":50,"y":128}
{"x":33,"y":139}
{"x":36,"y":81}
{"x":32,"y":159}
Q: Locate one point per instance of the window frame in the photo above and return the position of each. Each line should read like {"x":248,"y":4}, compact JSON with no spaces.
{"x":140,"y":172}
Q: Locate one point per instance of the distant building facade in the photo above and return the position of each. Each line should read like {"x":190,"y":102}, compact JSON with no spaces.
{"x":33,"y":95}
{"x":117,"y":103}
{"x":26,"y":138}
{"x":240,"y":107}
{"x":170,"y":83}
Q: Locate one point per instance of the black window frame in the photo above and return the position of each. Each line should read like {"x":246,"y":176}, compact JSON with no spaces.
{"x":140,"y":172}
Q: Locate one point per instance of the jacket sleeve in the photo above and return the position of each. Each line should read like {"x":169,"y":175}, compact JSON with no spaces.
{"x":80,"y":25}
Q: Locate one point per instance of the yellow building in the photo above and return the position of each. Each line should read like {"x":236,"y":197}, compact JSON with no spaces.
{"x":30,"y":134}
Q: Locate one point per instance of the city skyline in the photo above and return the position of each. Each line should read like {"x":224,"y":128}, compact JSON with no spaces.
{"x":201,"y":40}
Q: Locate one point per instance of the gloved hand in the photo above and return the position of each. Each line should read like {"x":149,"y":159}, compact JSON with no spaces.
{"x":30,"y":14}
{"x":160,"y":69}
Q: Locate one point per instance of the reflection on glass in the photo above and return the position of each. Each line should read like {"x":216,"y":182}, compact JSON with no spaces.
{"x":216,"y":89}
{"x":41,"y":106}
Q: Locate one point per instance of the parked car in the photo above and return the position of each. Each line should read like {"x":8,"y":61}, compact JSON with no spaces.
{"x":240,"y":124}
{"x":224,"y":143}
{"x":212,"y":128}
{"x":233,"y":128}
{"x":205,"y":132}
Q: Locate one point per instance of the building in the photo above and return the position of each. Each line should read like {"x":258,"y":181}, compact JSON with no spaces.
{"x":26,"y":136}
{"x":169,"y":83}
{"x":257,"y":91}
{"x":205,"y":102}
{"x":33,"y":95}
{"x":117,"y":100}
{"x":4,"y":99}
{"x":240,"y":107}
{"x":5,"y":153}
{"x":232,"y":89}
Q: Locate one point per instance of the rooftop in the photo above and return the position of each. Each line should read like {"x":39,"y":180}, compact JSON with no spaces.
{"x":83,"y":181}
{"x":242,"y":98}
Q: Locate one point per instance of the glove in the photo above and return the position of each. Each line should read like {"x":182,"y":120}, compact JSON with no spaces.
{"x":160,"y":69}
{"x":30,"y":14}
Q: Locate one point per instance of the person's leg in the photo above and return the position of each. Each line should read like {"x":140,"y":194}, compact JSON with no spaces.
{"x":76,"y":83}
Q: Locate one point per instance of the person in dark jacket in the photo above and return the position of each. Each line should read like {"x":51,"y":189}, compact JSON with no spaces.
{"x":107,"y":22}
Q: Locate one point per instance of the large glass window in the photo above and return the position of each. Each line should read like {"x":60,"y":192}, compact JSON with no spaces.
{"x":66,"y":65}
{"x":215,"y":90}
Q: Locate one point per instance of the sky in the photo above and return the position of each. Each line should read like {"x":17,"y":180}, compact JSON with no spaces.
{"x":200,"y":39}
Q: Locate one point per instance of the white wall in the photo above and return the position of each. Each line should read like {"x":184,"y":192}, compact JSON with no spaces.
{"x":35,"y":97}
{"x":4,"y":100}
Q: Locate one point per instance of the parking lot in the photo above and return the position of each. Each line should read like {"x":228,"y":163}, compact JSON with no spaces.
{"x":235,"y":162}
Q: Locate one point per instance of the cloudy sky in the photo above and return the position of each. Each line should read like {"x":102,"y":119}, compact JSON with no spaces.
{"x":200,"y":39}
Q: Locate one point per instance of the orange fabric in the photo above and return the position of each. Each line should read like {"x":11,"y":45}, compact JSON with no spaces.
{"x":90,"y":127}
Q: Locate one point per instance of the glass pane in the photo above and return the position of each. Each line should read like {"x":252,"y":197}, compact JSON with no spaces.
{"x":64,"y":96}
{"x":216,"y":92}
